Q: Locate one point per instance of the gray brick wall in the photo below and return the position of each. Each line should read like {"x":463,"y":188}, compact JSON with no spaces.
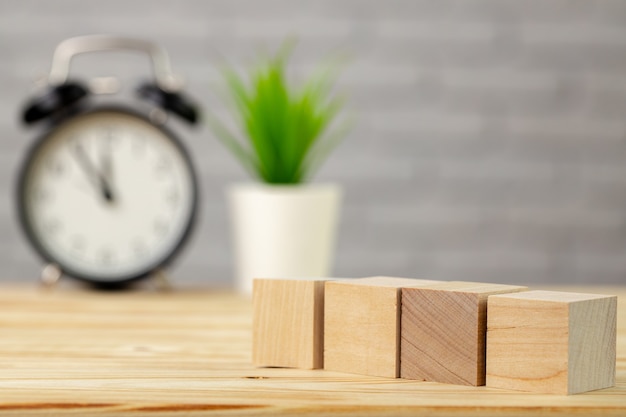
{"x":490,"y":143}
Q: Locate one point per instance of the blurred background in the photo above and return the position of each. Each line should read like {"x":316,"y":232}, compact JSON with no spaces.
{"x":490,"y":142}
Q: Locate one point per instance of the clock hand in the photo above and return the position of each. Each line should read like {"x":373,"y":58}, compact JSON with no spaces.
{"x":92,"y":173}
{"x":106,"y":162}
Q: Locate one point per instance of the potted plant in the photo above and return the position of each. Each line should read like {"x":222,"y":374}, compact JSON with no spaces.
{"x":283,"y":226}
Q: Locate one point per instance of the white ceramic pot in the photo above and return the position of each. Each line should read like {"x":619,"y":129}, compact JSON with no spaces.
{"x":283,"y":231}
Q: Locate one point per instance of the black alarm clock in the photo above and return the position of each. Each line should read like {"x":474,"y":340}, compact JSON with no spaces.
{"x":107,"y":193}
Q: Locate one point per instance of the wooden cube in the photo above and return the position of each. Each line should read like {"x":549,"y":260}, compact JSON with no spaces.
{"x":288,"y":323}
{"x":443,"y":331}
{"x":361,"y":325}
{"x":551,"y":342}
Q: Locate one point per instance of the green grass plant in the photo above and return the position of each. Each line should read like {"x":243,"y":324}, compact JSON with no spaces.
{"x":286,"y":132}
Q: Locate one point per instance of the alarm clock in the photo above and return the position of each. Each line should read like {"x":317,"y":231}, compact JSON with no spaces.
{"x":107,"y":193}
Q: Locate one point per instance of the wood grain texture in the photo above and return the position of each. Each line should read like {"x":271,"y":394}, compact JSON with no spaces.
{"x":443,"y":331}
{"x":551,"y":342}
{"x":362,"y":325}
{"x":288,"y":323}
{"x":188,"y":353}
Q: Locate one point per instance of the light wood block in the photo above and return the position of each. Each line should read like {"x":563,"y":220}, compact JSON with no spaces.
{"x":443,"y":331}
{"x":551,"y":342}
{"x":288,"y":323}
{"x":362,"y":325}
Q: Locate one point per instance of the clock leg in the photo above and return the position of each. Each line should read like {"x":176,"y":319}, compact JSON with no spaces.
{"x":161,"y":280}
{"x":50,"y":275}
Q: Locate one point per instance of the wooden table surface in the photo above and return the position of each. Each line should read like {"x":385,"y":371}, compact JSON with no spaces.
{"x":77,"y":352}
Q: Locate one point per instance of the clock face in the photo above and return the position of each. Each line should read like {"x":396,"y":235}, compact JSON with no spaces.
{"x":108,"y":196}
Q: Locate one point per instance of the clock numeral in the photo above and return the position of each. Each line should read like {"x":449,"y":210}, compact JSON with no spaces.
{"x":78,"y":243}
{"x":162,"y":167}
{"x":42,"y":196}
{"x":52,"y":226}
{"x":138,"y":146}
{"x":109,"y":134}
{"x":106,"y":256}
{"x":160,"y":227}
{"x":110,"y":139}
{"x":139,"y":248}
{"x":55,"y":167}
{"x":77,"y":142}
{"x":172,"y":197}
